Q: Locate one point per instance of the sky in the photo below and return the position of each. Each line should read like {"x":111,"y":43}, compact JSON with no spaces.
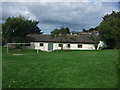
{"x":51,"y":15}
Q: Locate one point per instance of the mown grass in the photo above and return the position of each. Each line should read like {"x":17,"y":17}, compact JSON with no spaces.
{"x":60,"y":69}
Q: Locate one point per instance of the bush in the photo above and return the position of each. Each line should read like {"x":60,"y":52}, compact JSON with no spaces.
{"x":108,"y":48}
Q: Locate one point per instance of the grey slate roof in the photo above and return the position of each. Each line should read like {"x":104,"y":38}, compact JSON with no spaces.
{"x":68,"y":39}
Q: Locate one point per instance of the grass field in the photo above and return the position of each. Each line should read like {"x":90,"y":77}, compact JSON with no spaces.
{"x":60,"y":69}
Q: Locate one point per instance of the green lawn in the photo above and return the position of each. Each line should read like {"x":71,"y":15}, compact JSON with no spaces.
{"x":60,"y":69}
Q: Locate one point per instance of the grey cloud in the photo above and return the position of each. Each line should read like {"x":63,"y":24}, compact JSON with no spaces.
{"x":76,"y":15}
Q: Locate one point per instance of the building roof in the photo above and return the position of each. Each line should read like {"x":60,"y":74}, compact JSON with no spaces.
{"x":49,"y":38}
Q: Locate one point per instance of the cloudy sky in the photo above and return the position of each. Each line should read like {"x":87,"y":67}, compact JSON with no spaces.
{"x":51,"y":15}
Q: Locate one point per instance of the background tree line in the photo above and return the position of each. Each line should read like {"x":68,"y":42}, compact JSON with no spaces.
{"x":109,"y":30}
{"x":15,"y":29}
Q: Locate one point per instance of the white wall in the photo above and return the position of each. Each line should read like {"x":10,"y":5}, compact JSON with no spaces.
{"x":89,"y":46}
{"x":74,"y":46}
{"x":56,"y":46}
{"x":43,"y":48}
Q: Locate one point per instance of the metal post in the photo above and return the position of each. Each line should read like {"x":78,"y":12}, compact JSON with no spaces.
{"x":37,"y":51}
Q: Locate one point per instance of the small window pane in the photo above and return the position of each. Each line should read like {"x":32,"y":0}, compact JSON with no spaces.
{"x":79,"y":46}
{"x":60,"y":45}
{"x":41,"y":44}
{"x":68,"y":45}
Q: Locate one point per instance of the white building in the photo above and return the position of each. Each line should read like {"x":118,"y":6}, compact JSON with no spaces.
{"x":71,"y":42}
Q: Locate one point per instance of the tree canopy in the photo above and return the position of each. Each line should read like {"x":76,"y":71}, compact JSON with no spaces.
{"x":84,"y":30}
{"x":109,"y":29}
{"x":63,"y":31}
{"x":16,"y":28}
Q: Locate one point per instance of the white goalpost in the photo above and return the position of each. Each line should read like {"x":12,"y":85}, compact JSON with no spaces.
{"x":30,"y":45}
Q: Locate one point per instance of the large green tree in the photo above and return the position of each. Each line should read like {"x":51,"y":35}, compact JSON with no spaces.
{"x":109,"y":29}
{"x":16,"y":28}
{"x":61,"y":33}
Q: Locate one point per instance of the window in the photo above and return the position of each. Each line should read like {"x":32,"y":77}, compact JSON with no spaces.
{"x":79,"y":45}
{"x":68,"y":45}
{"x":41,"y":44}
{"x":60,"y":45}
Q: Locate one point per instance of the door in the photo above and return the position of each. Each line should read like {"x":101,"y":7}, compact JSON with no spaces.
{"x":50,"y":46}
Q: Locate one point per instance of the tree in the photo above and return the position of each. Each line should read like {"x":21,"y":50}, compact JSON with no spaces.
{"x":95,"y":38}
{"x":61,"y":33}
{"x":109,"y":29}
{"x":92,"y":29}
{"x":84,"y":30}
{"x":16,"y":28}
